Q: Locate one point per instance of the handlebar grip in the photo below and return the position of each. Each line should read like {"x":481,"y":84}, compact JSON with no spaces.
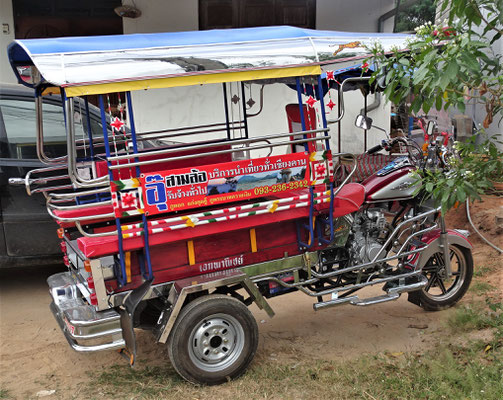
{"x":374,"y":149}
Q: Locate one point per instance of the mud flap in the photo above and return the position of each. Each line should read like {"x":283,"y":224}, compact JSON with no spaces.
{"x":414,"y":298}
{"x":127,"y":312}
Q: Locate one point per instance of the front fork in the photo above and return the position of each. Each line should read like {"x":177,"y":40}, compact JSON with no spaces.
{"x":444,"y":244}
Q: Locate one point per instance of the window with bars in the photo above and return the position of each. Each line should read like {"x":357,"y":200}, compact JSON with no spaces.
{"x":221,"y":14}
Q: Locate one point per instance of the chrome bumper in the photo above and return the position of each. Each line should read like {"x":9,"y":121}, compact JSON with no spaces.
{"x":85,"y":329}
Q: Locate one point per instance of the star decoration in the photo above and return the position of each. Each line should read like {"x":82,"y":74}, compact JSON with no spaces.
{"x":250,"y":102}
{"x":330,"y":76}
{"x":117,"y":124}
{"x":320,"y":169}
{"x":311,"y":101}
{"x":128,"y":200}
{"x":331,"y":105}
{"x":235,"y":99}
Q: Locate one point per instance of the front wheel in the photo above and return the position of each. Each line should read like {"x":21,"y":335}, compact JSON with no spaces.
{"x":442,"y":292}
{"x":213,"y":340}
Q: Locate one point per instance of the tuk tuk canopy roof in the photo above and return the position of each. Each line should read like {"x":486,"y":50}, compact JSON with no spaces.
{"x":101,"y":64}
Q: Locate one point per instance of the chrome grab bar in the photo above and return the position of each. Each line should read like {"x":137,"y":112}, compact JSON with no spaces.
{"x":216,"y":144}
{"x":349,"y":175}
{"x":341,"y":101}
{"x":189,"y":156}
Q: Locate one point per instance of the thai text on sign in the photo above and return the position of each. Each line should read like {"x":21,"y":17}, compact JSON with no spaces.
{"x":205,"y":185}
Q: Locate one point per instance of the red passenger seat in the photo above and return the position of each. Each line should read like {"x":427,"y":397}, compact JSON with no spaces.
{"x":347,"y":201}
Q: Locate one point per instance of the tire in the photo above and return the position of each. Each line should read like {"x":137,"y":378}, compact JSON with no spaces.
{"x":214,"y":339}
{"x":441,"y":293}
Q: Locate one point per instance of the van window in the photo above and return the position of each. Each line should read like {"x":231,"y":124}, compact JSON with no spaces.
{"x":20,"y":125}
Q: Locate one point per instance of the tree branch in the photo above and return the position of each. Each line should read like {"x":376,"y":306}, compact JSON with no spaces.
{"x":491,"y":26}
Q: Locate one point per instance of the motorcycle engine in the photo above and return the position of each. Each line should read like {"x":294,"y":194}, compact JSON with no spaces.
{"x":369,"y":231}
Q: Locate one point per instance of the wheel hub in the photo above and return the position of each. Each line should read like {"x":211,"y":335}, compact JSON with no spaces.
{"x":216,"y":342}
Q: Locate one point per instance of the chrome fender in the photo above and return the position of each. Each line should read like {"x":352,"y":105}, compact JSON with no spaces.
{"x":434,"y":244}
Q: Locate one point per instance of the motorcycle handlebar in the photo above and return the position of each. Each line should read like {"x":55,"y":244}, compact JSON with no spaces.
{"x":374,"y":149}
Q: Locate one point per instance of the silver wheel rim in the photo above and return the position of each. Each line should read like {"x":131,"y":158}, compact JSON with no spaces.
{"x":216,"y":342}
{"x":439,"y":288}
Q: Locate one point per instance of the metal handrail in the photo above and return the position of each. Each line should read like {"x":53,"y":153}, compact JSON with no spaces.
{"x":39,"y":144}
{"x":79,"y":206}
{"x":72,"y":171}
{"x":341,"y":101}
{"x":216,"y":144}
{"x":189,"y":156}
{"x":349,"y":175}
{"x":78,"y":219}
{"x":145,"y":136}
{"x":73,"y":195}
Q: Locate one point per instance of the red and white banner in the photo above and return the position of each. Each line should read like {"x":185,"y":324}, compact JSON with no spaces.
{"x":185,"y":188}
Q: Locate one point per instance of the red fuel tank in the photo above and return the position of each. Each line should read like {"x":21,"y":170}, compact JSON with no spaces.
{"x":393,"y":185}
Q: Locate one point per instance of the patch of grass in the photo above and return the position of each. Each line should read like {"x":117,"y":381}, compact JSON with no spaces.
{"x":479,"y":287}
{"x":449,"y":372}
{"x":482,"y":270}
{"x":147,"y":382}
{"x":4,"y":394}
{"x":476,"y":316}
{"x":469,"y":371}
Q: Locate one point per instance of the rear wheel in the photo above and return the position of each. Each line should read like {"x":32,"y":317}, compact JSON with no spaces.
{"x":442,"y":292}
{"x":213,"y":340}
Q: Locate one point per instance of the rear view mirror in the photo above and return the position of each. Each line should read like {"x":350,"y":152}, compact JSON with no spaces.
{"x":363,"y":122}
{"x":430,"y":128}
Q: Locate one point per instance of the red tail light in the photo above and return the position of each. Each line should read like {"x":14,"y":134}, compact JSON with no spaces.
{"x":93,"y":299}
{"x":63,"y":247}
{"x":90,"y":283}
{"x":66,"y":261}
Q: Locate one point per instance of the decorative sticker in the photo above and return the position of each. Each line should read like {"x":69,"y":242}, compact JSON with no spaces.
{"x":184,"y":188}
{"x":126,"y":197}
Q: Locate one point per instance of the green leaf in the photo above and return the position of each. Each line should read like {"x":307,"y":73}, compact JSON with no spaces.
{"x":449,"y":74}
{"x":461,"y":194}
{"x":438,"y":102}
{"x":445,"y":196}
{"x":470,"y":61}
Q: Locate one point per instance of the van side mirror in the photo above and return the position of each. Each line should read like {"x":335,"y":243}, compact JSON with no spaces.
{"x":363,"y":122}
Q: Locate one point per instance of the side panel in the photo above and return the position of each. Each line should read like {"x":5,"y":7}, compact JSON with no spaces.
{"x":214,"y":253}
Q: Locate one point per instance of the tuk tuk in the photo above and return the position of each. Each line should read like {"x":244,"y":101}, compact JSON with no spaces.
{"x":177,"y":230}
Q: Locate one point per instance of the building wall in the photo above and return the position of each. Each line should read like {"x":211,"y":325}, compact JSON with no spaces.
{"x":354,"y":15}
{"x":198,"y":105}
{"x":203,"y":104}
{"x":6,"y":17}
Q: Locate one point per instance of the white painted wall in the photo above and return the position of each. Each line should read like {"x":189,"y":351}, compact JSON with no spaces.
{"x":353,"y":15}
{"x":6,"y":17}
{"x":198,"y":105}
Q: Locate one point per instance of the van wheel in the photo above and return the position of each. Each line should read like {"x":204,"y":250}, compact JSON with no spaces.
{"x":441,"y":292}
{"x":214,"y":339}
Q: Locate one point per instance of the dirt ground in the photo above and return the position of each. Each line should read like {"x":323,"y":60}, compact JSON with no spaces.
{"x":35,"y":356}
